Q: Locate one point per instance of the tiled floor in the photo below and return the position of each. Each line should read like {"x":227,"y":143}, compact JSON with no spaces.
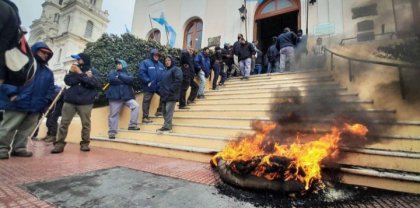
{"x":45,"y":166}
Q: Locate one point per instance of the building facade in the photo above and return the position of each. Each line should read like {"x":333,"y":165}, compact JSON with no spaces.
{"x":67,"y":26}
{"x":199,"y":21}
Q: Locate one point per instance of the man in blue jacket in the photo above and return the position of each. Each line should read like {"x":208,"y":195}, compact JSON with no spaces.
{"x":121,"y":93}
{"x":24,"y":104}
{"x":285,"y":44}
{"x":202,"y":67}
{"x":79,"y":98}
{"x":150,"y":73}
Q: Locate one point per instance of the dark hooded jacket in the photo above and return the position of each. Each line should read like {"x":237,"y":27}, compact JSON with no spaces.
{"x":36,"y":94}
{"x":150,"y":71}
{"x":286,"y":39}
{"x":186,"y":59}
{"x":82,"y":90}
{"x":9,"y":31}
{"x":227,"y":54}
{"x":245,"y":51}
{"x":170,"y":86}
{"x":121,"y":84}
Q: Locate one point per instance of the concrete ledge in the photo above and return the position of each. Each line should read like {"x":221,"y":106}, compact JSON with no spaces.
{"x":165,"y":146}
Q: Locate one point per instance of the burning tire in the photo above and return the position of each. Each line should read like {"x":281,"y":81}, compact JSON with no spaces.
{"x":256,"y":183}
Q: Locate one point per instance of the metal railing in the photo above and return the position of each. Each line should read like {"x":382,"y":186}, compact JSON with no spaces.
{"x":391,"y":34}
{"x":399,"y":66}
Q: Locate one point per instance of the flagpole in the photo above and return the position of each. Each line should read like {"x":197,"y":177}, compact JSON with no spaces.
{"x":150,"y":19}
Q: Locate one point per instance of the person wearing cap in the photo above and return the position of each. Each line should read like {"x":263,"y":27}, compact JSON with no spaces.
{"x":150,"y":73}
{"x":79,"y":98}
{"x":24,"y":104}
{"x":120,"y":93}
{"x":169,"y":90}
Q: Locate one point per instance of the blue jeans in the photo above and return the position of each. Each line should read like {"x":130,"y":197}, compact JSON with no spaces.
{"x":202,"y":84}
{"x":245,"y":66}
{"x":258,"y":69}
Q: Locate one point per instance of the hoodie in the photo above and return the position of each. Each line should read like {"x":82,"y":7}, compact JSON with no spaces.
{"x":120,"y":83}
{"x":37,"y":93}
{"x":83,"y":89}
{"x":150,"y":72}
{"x":170,"y":86}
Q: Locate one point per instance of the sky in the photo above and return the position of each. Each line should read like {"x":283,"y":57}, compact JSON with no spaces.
{"x":120,"y":13}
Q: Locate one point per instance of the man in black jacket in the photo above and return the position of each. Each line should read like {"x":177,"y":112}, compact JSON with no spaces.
{"x":79,"y":98}
{"x":286,"y":43}
{"x":273,"y":57}
{"x":187,"y":66}
{"x":9,"y":32}
{"x":245,"y":51}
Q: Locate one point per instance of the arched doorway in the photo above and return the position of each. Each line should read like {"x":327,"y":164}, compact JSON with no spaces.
{"x":154,"y":35}
{"x":193,"y":34}
{"x":272,"y":16}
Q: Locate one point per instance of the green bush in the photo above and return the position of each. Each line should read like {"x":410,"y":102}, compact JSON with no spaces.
{"x":133,"y":50}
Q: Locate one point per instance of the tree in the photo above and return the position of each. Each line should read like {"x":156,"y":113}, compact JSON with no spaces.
{"x":109,"y":47}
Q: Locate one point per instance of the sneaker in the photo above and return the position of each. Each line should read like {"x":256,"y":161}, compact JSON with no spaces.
{"x":184,"y":107}
{"x":164,"y":130}
{"x":157,"y":114}
{"x":133,"y":128}
{"x":84,"y":148}
{"x":242,"y":78}
{"x":147,"y":120}
{"x":49,"y":139}
{"x":4,"y":156}
{"x":189,"y":102}
{"x":246,"y":78}
{"x":111,"y":137}
{"x":21,"y":154}
{"x":58,"y":148}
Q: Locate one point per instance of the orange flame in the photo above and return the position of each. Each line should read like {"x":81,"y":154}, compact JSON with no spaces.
{"x":305,"y":158}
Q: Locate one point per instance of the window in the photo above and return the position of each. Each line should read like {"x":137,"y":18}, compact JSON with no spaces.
{"x":59,"y":55}
{"x":60,"y":2}
{"x":89,"y":29}
{"x":68,"y":23}
{"x":276,"y":5}
{"x":154,"y":35}
{"x":193,"y":34}
{"x":56,"y":17}
{"x":93,"y":2}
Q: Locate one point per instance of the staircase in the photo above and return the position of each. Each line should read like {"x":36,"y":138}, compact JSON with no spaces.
{"x":391,"y":163}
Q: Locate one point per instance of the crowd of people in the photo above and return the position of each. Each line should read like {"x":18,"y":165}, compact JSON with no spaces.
{"x":25,"y":102}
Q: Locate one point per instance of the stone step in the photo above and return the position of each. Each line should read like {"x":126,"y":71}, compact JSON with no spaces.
{"x":381,"y":179}
{"x":269,"y":96}
{"x":277,"y":90}
{"x":155,"y":148}
{"x":295,"y":86}
{"x":250,"y":83}
{"x":249,"y":112}
{"x":283,"y":76}
{"x":269,"y":80}
{"x":263,"y":102}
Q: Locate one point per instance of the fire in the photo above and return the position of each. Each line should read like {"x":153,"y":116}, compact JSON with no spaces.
{"x":263,"y":156}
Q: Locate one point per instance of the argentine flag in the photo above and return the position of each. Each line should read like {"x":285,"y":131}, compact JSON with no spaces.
{"x":169,"y":29}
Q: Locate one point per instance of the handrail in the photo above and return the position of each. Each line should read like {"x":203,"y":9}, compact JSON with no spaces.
{"x":381,"y":34}
{"x":399,"y":66}
{"x":404,"y":65}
